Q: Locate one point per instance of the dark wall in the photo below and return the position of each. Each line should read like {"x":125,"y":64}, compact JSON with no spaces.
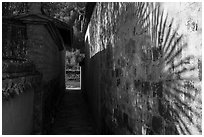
{"x":29,"y":49}
{"x":18,"y":110}
{"x":49,"y":61}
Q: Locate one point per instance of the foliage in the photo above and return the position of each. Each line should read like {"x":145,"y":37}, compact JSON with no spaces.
{"x":14,"y":8}
{"x":73,"y":58}
{"x":64,"y":11}
{"x":69,"y":12}
{"x":72,"y":13}
{"x":16,"y":86}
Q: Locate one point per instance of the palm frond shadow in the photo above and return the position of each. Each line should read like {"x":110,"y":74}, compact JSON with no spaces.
{"x":178,"y":91}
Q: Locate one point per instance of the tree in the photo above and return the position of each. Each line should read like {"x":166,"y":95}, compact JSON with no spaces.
{"x":68,"y":12}
{"x":73,"y":58}
{"x":14,"y":8}
{"x":76,"y":14}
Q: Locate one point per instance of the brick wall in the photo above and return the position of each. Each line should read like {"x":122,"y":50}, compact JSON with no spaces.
{"x":129,"y":82}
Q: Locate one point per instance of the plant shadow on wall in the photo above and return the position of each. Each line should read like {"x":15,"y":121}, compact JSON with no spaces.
{"x":170,"y":76}
{"x":147,"y":86}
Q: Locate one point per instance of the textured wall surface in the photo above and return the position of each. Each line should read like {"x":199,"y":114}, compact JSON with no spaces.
{"x":138,"y":71}
{"x":49,"y":61}
{"x":43,"y":51}
{"x":17,"y":112}
{"x":189,"y":18}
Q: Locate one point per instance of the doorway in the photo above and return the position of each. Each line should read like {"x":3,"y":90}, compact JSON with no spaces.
{"x":73,"y":78}
{"x":73,"y":69}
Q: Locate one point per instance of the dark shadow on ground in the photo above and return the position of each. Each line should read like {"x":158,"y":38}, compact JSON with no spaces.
{"x":73,"y":116}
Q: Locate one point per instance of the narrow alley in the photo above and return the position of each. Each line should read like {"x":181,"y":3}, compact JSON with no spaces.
{"x":138,"y":65}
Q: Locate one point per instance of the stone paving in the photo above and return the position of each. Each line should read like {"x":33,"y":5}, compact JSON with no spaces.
{"x":73,"y":117}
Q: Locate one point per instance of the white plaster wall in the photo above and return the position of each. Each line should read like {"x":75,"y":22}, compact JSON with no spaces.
{"x":184,"y":15}
{"x":188,"y":16}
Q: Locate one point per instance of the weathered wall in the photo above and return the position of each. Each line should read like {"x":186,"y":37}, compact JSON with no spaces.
{"x":188,"y":16}
{"x":17,"y":115}
{"x":130,"y":82}
{"x":49,"y":61}
{"x":21,"y":84}
{"x":43,"y":51}
{"x":17,"y":109}
{"x":30,"y":49}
